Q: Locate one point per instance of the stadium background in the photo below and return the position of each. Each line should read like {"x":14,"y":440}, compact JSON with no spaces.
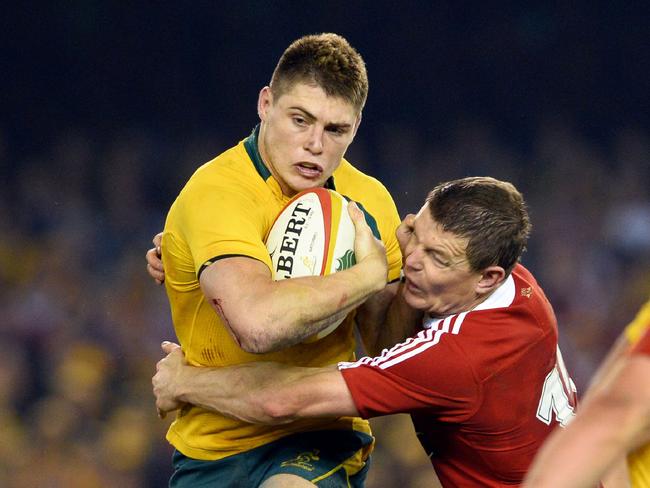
{"x":107,"y":108}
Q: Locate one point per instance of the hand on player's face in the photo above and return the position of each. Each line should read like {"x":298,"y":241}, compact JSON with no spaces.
{"x":404,"y":231}
{"x":167,"y":378}
{"x":367,"y":248}
{"x":154,"y":260}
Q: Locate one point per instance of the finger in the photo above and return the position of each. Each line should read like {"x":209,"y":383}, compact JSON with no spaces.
{"x":409,"y":220}
{"x":161,"y":413}
{"x":157,"y":240}
{"x":154,"y":260}
{"x":158,"y":276}
{"x":169,"y":347}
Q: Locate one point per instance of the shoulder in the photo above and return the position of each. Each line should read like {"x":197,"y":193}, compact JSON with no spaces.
{"x":643,"y":344}
{"x":229,"y":176}
{"x":515,"y":324}
{"x":373,"y":197}
{"x":359,"y":186}
{"x":635,"y":329}
{"x":232,"y":166}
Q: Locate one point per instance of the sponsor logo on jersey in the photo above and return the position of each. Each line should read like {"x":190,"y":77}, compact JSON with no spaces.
{"x":289,"y":243}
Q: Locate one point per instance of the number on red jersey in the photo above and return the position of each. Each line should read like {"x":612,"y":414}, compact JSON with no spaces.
{"x":558,"y":395}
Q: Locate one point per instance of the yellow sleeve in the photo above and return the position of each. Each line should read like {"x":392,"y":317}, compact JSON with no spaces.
{"x":389,"y":224}
{"x":638,"y":326}
{"x":218,"y":220}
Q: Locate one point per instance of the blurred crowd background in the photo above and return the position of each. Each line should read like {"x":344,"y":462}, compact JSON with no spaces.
{"x":107,"y":109}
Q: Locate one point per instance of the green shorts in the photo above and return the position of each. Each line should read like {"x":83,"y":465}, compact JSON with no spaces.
{"x":327,"y":458}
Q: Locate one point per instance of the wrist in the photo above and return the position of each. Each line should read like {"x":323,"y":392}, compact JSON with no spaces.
{"x":181,"y":387}
{"x":373,"y":274}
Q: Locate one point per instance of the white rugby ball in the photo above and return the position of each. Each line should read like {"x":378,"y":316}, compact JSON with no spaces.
{"x":313,"y":235}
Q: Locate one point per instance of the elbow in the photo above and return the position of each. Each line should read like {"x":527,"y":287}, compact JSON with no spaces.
{"x":277,"y":412}
{"x":254,"y":345}
{"x":257,"y":334}
{"x":257,"y":338}
{"x":250,"y":333}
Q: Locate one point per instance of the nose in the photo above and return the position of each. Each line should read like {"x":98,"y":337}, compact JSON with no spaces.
{"x":413,"y":258}
{"x":314,"y":143}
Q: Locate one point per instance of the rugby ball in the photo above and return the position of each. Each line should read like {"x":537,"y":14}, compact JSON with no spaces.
{"x":313,"y":235}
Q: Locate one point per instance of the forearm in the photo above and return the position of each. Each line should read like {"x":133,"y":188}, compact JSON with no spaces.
{"x":267,"y":393}
{"x":385,"y":320}
{"x":617,"y":475}
{"x":579,"y":456}
{"x":611,"y":422}
{"x":266,"y":315}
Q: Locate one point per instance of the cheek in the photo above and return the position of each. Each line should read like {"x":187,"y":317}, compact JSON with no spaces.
{"x":336,"y":149}
{"x":439,"y":284}
{"x":280,"y":146}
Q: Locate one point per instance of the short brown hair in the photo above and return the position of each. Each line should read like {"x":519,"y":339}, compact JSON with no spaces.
{"x":490,"y":213}
{"x":326,"y":60}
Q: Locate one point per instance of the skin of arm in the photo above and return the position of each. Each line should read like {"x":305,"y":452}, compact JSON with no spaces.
{"x":272,"y":315}
{"x":260,"y":392}
{"x":613,"y":420}
{"x":385,"y":319}
{"x":617,"y":476}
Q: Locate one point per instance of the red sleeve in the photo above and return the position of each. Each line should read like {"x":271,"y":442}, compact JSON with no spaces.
{"x":643,"y":346}
{"x":421,"y":374}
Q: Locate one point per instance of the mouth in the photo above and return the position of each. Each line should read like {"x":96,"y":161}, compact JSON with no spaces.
{"x":309,"y":170}
{"x":412,"y":287}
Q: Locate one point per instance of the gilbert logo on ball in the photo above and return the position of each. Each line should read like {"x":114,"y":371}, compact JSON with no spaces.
{"x":312,"y":235}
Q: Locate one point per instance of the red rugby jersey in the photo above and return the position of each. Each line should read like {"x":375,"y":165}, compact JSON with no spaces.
{"x":484,"y":388}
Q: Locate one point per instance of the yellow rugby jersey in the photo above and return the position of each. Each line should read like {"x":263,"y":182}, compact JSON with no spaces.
{"x":227,"y":208}
{"x":638,"y":462}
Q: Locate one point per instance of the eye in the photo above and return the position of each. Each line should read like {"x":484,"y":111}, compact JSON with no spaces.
{"x":299,"y":121}
{"x":438,"y":260}
{"x":336,"y":130}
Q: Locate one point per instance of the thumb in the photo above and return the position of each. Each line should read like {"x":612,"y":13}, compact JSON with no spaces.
{"x":356,"y":214}
{"x":168,"y":347}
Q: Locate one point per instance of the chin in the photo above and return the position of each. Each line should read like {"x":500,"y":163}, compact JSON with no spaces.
{"x":415,"y":302}
{"x":304,"y":184}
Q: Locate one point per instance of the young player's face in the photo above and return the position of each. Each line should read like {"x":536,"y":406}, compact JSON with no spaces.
{"x":304,"y":135}
{"x":439,"y":280}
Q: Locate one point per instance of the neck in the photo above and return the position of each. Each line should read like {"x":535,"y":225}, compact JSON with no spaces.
{"x":466,"y":307}
{"x":261,"y":147}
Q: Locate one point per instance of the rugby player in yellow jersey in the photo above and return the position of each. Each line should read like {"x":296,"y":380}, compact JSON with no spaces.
{"x":638,"y":461}
{"x":227,"y":309}
{"x":614,"y":420}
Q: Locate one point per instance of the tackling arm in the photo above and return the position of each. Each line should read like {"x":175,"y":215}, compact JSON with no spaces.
{"x":385,"y":319}
{"x":260,"y":392}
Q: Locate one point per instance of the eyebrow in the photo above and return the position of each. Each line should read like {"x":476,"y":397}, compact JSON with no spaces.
{"x":330,"y":126}
{"x":439,"y":251}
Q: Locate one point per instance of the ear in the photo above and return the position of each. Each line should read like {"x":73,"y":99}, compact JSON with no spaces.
{"x":357,"y":123}
{"x":264,"y":102}
{"x":491,"y":278}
